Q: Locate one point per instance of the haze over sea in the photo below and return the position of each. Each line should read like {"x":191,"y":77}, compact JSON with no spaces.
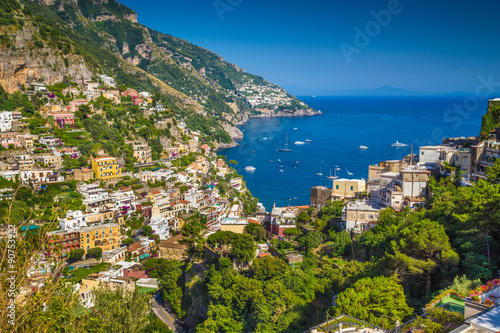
{"x":346,"y":123}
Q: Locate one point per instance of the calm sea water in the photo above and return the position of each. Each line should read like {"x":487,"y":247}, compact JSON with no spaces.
{"x":346,"y":123}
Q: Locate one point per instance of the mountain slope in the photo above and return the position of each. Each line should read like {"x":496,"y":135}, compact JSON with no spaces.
{"x":75,"y":39}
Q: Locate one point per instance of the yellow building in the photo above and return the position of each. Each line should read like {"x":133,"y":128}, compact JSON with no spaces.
{"x":346,"y":189}
{"x":106,"y":168}
{"x":106,"y":236}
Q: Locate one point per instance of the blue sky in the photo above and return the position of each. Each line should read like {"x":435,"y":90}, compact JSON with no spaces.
{"x":427,"y":46}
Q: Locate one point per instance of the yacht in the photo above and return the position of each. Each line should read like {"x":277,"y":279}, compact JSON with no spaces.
{"x":286,"y":145}
{"x":334,"y":172}
{"x":299,"y":142}
{"x":363,"y":147}
{"x":307,"y":140}
{"x":250,"y":168}
{"x":399,"y":144}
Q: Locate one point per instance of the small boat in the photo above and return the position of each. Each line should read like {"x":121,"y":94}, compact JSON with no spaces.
{"x":296,"y":161}
{"x":281,"y":170}
{"x":252,"y":138}
{"x":399,"y":144}
{"x":254,"y":152}
{"x":264,"y":138}
{"x":363,"y":147}
{"x":348,"y":172}
{"x":279,"y":160}
{"x":299,"y":142}
{"x":307,"y":140}
{"x":319,"y":173}
{"x":250,"y":168}
{"x":272,"y":161}
{"x":295,"y":129}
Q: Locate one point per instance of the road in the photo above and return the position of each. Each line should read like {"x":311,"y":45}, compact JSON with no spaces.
{"x":167,"y":317}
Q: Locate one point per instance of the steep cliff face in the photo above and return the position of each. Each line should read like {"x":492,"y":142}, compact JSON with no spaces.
{"x":28,"y":59}
{"x":52,"y":40}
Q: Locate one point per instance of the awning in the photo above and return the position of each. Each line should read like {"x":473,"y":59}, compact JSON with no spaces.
{"x":144,"y":256}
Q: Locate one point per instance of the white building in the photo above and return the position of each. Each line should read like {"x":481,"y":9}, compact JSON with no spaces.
{"x":195,"y":197}
{"x":162,"y":226}
{"x":5,"y":121}
{"x":74,"y":220}
{"x":107,"y":80}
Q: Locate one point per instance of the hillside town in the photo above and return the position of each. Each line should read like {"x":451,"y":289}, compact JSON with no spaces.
{"x":111,"y":216}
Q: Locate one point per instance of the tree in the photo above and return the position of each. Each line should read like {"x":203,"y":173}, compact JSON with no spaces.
{"x":422,"y":247}
{"x":96,"y":252}
{"x":243,"y":248}
{"x":370,"y":298}
{"x":310,"y":240}
{"x":269,"y":268}
{"x":257,"y":231}
{"x":232,"y":162}
{"x":148,"y":231}
{"x":120,"y":311}
{"x":493,"y":173}
{"x":76,"y":254}
{"x":193,"y":238}
{"x":341,"y":242}
{"x":128,"y":241}
{"x":303,"y":218}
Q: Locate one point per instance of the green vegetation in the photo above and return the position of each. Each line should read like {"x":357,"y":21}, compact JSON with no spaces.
{"x":368,"y":299}
{"x":491,"y":120}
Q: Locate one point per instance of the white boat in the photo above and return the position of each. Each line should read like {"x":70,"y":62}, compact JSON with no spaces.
{"x":264,"y":138}
{"x":299,"y":143}
{"x":399,"y":144}
{"x":281,"y":170}
{"x":250,"y":168}
{"x":363,"y":147}
{"x":295,"y":129}
{"x":307,"y":140}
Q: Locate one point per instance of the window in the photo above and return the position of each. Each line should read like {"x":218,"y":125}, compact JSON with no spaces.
{"x":351,"y":188}
{"x":88,"y":247}
{"x":87,"y":235}
{"x":337,"y":187}
{"x":422,"y":153}
{"x":88,"y":240}
{"x":110,"y":230}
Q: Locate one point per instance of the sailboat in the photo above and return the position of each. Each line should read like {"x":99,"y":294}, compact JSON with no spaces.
{"x":319,"y":173}
{"x":334,"y":172}
{"x":286,"y":144}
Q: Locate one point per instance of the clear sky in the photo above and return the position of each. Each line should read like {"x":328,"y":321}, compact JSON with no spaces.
{"x":431,"y":46}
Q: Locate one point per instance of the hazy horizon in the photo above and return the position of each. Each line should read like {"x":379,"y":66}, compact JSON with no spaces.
{"x":417,"y":46}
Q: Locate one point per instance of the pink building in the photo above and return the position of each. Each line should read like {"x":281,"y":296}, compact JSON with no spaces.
{"x":63,"y":119}
{"x":74,"y":104}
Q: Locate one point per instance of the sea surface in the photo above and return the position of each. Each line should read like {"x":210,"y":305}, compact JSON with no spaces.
{"x":285,"y":178}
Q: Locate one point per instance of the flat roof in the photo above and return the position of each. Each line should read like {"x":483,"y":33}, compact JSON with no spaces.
{"x":489,"y":320}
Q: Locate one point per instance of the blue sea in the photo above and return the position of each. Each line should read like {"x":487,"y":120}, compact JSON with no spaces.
{"x":346,"y":123}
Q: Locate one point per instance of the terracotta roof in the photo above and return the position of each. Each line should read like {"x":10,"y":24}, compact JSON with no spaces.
{"x":184,"y":201}
{"x":134,"y":247}
{"x":86,"y":170}
{"x":155,"y":192}
{"x":253,"y":221}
